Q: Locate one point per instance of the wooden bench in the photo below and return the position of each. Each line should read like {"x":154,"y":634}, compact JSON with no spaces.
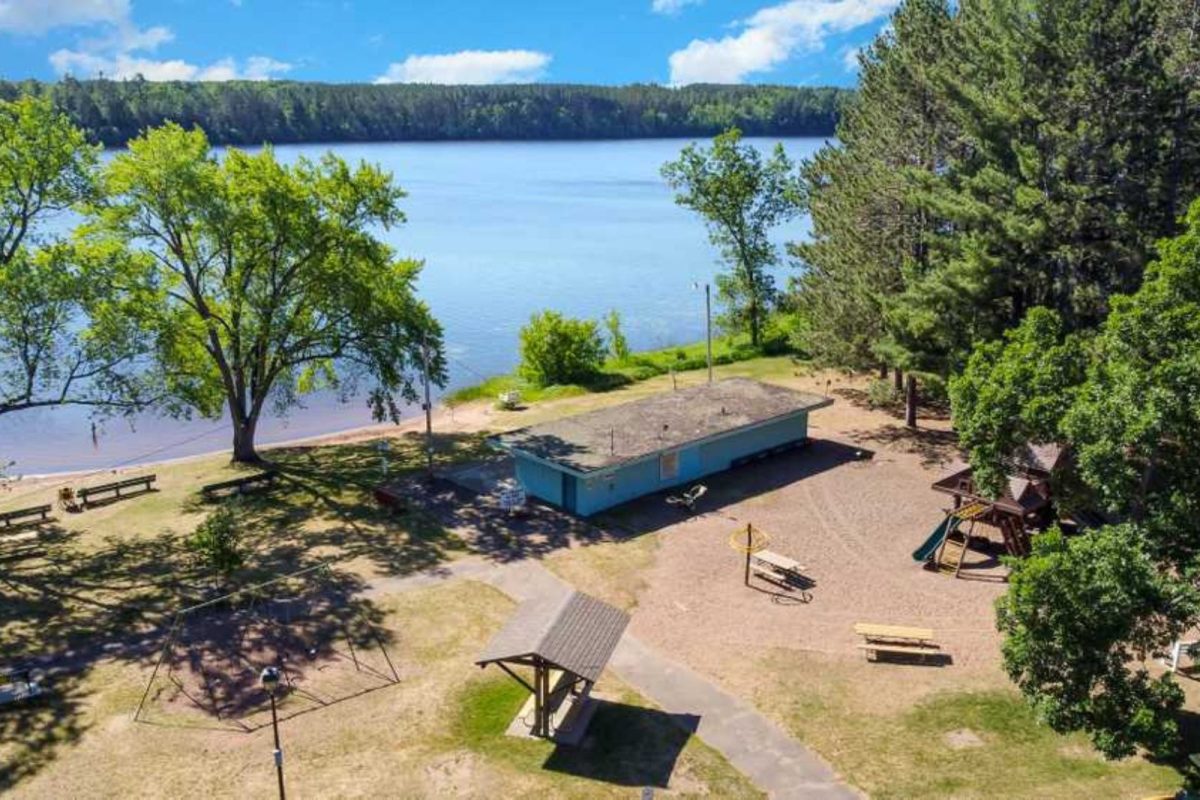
{"x":240,"y":485}
{"x":87,"y":494}
{"x":896,"y":640}
{"x":9,"y":518}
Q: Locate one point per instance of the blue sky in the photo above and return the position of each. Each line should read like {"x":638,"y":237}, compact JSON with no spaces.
{"x":442,"y":41}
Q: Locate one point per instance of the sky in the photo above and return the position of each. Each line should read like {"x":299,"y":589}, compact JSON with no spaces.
{"x":670,"y":42}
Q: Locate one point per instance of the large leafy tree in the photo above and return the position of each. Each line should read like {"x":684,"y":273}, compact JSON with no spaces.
{"x":62,"y":341}
{"x":1080,"y":616}
{"x":741,"y":196}
{"x":273,"y":283}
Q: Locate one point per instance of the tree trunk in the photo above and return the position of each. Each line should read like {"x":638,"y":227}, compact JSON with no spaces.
{"x":898,"y":380}
{"x":883,"y":371}
{"x":243,"y":442}
{"x":910,"y":401}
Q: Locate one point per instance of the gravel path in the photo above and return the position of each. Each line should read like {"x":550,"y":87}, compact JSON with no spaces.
{"x":760,"y":749}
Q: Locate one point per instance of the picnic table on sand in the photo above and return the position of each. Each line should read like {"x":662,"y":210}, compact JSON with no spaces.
{"x":895,"y":640}
{"x":777,"y":562}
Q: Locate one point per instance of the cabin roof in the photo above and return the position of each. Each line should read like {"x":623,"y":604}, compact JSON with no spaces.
{"x":665,"y":421}
{"x":577,"y":633}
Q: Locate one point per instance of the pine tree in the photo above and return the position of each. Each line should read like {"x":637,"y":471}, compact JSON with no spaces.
{"x":870,"y":236}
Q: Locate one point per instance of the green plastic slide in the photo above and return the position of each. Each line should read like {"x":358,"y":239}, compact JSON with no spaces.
{"x":944,"y":529}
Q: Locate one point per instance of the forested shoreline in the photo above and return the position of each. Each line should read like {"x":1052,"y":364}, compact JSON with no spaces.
{"x":286,"y":112}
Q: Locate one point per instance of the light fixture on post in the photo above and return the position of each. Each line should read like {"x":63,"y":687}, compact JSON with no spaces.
{"x":270,"y":682}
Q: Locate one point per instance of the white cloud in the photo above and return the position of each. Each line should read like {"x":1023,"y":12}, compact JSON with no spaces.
{"x":770,"y":37}
{"x":39,"y":16}
{"x":671,"y":6}
{"x":118,"y":48}
{"x":120,"y":66}
{"x":469,"y":66}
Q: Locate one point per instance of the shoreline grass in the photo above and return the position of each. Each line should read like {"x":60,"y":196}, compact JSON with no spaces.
{"x":614,"y":374}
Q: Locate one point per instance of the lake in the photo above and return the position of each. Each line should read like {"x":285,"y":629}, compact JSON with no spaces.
{"x":505,"y":229}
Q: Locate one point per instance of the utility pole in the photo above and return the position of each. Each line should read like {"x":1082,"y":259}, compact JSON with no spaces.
{"x":707,"y":324}
{"x":428,"y":406}
{"x":708,"y":327}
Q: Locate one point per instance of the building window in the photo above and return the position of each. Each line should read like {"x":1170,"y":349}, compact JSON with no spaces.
{"x":668,"y":466}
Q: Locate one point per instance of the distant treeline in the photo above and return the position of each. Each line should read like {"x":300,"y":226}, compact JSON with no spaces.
{"x":249,"y":112}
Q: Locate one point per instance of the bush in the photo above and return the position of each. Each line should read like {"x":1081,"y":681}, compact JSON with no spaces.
{"x":882,"y":394}
{"x":558,"y":350}
{"x":217,"y":540}
{"x":618,"y":345}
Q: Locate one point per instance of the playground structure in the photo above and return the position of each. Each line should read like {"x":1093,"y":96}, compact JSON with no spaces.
{"x":1025,"y":504}
{"x":303,"y":624}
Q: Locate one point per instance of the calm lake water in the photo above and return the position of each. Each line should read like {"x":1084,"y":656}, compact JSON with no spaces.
{"x":505,"y":229}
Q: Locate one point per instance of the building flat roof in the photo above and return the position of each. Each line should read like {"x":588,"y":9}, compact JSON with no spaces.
{"x":576,"y":632}
{"x":631,"y":431}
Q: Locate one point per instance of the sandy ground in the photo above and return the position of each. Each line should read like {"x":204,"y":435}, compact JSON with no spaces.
{"x":851,"y":509}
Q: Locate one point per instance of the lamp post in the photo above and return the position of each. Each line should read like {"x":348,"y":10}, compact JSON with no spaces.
{"x":270,"y":682}
{"x":707,"y":324}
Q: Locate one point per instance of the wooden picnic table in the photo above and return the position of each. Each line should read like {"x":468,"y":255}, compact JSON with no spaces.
{"x":893,"y":632}
{"x":896,"y":640}
{"x":778,"y":562}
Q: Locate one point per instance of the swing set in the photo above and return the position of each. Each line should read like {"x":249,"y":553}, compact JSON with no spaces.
{"x":303,"y":624}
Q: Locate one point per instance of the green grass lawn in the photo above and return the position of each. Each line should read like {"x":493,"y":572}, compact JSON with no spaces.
{"x":614,"y":374}
{"x":967,"y":742}
{"x":629,"y":745}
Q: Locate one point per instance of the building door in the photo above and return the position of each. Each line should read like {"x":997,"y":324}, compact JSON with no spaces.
{"x":569,"y":492}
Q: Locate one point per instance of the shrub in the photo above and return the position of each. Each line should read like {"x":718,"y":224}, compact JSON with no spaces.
{"x":217,"y":540}
{"x":881,"y":394}
{"x":557,"y":350}
{"x":618,"y":345}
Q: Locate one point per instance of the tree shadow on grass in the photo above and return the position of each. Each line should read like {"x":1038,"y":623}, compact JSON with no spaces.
{"x":627,"y":745}
{"x":485,"y":528}
{"x":935,"y":447}
{"x":859,"y":398}
{"x":32,"y":732}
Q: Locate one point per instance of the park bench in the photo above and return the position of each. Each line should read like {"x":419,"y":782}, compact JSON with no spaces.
{"x":19,"y":517}
{"x":242,"y":485}
{"x":896,"y":640}
{"x":87,"y":494}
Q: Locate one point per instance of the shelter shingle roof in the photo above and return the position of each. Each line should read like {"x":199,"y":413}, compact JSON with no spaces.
{"x":577,"y":633}
{"x":626,"y":432}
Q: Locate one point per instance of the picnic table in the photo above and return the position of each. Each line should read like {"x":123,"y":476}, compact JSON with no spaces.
{"x":895,"y":640}
{"x":779,"y":569}
{"x":777,"y":562}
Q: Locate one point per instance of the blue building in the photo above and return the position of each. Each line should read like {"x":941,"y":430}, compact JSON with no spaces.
{"x":593,"y":461}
